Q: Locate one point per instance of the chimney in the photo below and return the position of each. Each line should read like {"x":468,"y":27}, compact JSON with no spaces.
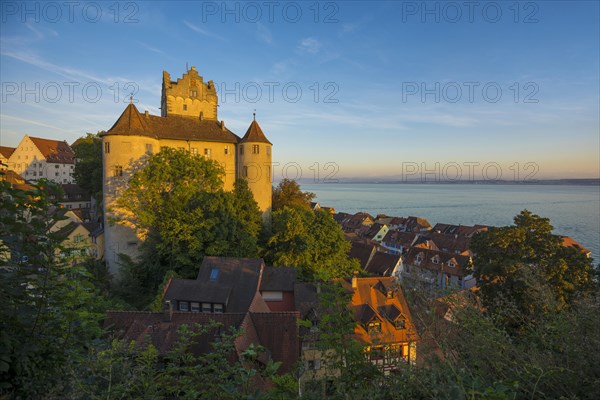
{"x":355,"y":280}
{"x":223,"y":125}
{"x":168,"y":311}
{"x":201,"y":115}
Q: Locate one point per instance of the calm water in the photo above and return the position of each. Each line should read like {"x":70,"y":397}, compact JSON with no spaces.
{"x":573,"y":210}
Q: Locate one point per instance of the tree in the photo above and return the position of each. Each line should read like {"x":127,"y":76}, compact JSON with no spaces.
{"x":177,"y":205}
{"x":88,"y":168}
{"x":526,"y":265}
{"x":288,"y":193}
{"x":311,"y":241}
{"x":50,"y":307}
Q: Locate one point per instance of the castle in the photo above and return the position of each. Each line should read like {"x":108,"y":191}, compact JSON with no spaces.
{"x":188,"y":120}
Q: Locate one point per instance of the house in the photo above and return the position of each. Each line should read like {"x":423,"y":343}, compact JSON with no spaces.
{"x":277,"y":288}
{"x":224,"y":284}
{"x":397,"y":242}
{"x":416,"y":224}
{"x":228,"y":291}
{"x":384,"y":323}
{"x":567,"y":241}
{"x":458,"y":231}
{"x":356,"y":221}
{"x":35,"y":158}
{"x":383,"y":264}
{"x":75,"y":241}
{"x":375,"y":232}
{"x":276,"y":332}
{"x":314,"y":206}
{"x":340,"y":217}
{"x":455,"y":244}
{"x":15,"y":180}
{"x":74,"y":196}
{"x":436,"y":269}
{"x":363,"y":252}
{"x":5,"y":153}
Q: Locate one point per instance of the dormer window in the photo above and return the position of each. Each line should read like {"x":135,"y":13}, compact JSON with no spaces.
{"x":435,"y":260}
{"x":374,"y":327}
{"x":451,"y":264}
{"x":390,"y":294}
{"x":400,"y":323}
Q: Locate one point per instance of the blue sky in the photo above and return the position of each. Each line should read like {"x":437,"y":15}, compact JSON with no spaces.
{"x":388,"y":89}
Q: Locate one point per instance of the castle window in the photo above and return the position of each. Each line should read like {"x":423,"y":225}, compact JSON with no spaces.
{"x":207,"y":153}
{"x":185,"y":107}
{"x":226,"y":150}
{"x":268,"y":172}
{"x":107,"y":147}
{"x":118,"y":170}
{"x":245,"y":174}
{"x":194,"y":151}
{"x":149,"y":148}
{"x":268,"y":150}
{"x":241,"y":150}
{"x":255,"y":149}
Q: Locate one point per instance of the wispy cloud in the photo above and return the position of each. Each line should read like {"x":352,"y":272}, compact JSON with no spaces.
{"x":263,"y":33}
{"x":152,"y":49}
{"x":201,"y":31}
{"x":33,"y":122}
{"x":309,"y":45}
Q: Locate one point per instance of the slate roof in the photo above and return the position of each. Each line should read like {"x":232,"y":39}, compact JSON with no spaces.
{"x":277,"y":332}
{"x":382,"y":264}
{"x":255,"y":134}
{"x":176,"y":127}
{"x":74,"y":192}
{"x":362,"y":252}
{"x":278,"y":279}
{"x":397,"y":238}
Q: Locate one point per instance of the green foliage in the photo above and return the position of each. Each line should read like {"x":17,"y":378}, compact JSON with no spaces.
{"x":88,"y":169}
{"x":525,"y":273}
{"x":50,"y":308}
{"x":129,"y":371}
{"x":288,"y":194}
{"x":178,"y":205}
{"x":310,"y":241}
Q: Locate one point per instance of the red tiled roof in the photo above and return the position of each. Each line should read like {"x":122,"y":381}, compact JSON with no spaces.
{"x":54,"y":151}
{"x":6,"y":151}
{"x":132,"y":122}
{"x":370,"y":300}
{"x":255,"y":134}
{"x":427,"y":257}
{"x":568,"y":241}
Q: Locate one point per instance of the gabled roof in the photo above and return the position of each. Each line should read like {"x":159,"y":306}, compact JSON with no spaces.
{"x":255,"y":134}
{"x":6,"y":151}
{"x":277,"y":332}
{"x":278,"y":279}
{"x":202,"y":292}
{"x":369,"y":302}
{"x":363,"y":252}
{"x":382,"y":264}
{"x":428,"y":256}
{"x":54,"y":151}
{"x":242,"y":275}
{"x":134,"y":123}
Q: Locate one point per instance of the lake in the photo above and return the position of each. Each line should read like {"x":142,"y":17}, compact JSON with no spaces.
{"x":573,"y":210}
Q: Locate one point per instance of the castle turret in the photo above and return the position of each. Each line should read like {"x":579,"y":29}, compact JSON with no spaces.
{"x":254,"y":165}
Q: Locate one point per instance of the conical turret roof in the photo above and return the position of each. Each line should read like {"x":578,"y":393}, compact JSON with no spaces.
{"x":255,"y":134}
{"x":130,"y":122}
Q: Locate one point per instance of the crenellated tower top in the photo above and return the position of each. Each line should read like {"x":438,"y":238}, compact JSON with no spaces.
{"x":189,"y":96}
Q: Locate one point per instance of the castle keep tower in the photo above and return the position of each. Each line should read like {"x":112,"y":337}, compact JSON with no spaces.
{"x":188,"y":121}
{"x":188,"y":96}
{"x":254,"y":165}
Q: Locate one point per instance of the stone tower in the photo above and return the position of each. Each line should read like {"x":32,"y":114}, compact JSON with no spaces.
{"x":254,"y":165}
{"x":189,"y":96}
